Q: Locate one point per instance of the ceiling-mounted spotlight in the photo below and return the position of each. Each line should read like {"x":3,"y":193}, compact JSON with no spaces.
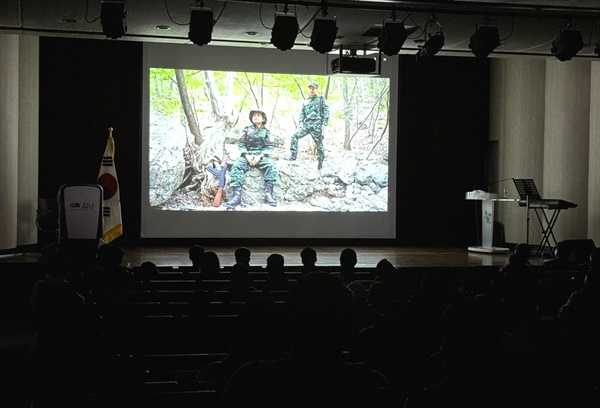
{"x":201,"y":25}
{"x":392,"y":36}
{"x":568,"y":43}
{"x":433,"y":45}
{"x":484,"y":41}
{"x":323,"y":35}
{"x":285,"y":30}
{"x":112,"y":18}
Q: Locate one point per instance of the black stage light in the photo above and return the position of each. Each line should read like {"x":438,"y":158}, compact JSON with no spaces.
{"x":392,"y":36}
{"x":201,"y":25}
{"x":568,"y":43}
{"x":112,"y":18}
{"x":285,"y":30}
{"x":323,"y":35}
{"x":484,"y":41}
{"x":433,"y":45}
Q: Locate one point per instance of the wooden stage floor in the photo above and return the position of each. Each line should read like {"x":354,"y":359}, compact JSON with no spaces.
{"x":368,"y":256}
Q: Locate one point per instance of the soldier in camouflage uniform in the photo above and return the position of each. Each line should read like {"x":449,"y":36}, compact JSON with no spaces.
{"x":314,"y":117}
{"x":255,"y":146}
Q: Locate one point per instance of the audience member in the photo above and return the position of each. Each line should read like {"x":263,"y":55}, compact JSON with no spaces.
{"x":147,"y":272}
{"x":276,"y":279}
{"x":196,"y":252}
{"x":210,"y":266}
{"x":561,"y":261}
{"x":437,"y":292}
{"x":515,"y":291}
{"x":579,"y":320}
{"x":319,"y":316}
{"x":524,"y":251}
{"x":110,"y":257}
{"x":348,"y":262}
{"x":258,"y":335}
{"x":58,"y":314}
{"x":472,"y":355}
{"x":515,"y":285}
{"x":308,"y":256}
{"x":240,"y":284}
{"x":365,"y":313}
{"x":242,"y":255}
{"x":388,"y":287}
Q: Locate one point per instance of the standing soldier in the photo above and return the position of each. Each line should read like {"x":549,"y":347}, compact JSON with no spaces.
{"x":314,"y":117}
{"x":255,"y":146}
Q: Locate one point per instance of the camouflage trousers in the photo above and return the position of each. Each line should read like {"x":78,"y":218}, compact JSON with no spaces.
{"x":315,"y":132}
{"x":238,"y":171}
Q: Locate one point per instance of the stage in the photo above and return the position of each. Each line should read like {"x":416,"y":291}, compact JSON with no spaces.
{"x":368,"y":256}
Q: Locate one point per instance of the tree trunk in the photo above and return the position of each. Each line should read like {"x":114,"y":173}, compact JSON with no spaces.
{"x":188,"y":110}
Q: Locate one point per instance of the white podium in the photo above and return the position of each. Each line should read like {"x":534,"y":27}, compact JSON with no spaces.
{"x":488,"y":201}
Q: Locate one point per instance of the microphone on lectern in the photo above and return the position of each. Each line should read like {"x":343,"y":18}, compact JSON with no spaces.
{"x":505,"y":192}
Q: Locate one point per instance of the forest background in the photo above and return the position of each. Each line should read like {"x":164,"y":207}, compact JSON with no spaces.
{"x":196,"y":118}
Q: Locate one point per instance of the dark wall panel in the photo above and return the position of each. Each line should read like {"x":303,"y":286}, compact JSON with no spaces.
{"x":442,"y":139}
{"x":87,"y":86}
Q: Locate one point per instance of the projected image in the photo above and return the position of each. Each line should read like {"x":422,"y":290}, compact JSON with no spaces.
{"x":240,"y":141}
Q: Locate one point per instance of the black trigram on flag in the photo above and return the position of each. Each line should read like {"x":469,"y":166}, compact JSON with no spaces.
{"x":106,"y":211}
{"x":107,"y":161}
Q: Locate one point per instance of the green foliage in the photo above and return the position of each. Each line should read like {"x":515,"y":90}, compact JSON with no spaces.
{"x":279,"y":95}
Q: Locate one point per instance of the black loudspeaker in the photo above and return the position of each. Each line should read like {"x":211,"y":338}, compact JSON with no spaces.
{"x":112,"y":18}
{"x":201,"y":25}
{"x":284,"y":32}
{"x":567,"y":44}
{"x":484,"y":41}
{"x":579,"y":249}
{"x":323,"y":35}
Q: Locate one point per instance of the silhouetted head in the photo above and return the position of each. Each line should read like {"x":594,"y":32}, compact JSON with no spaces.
{"x":275,"y":264}
{"x":348,"y":258}
{"x":148,"y":271}
{"x":524,"y":250}
{"x":308,"y":256}
{"x":562,"y":250}
{"x":385,"y":269}
{"x":242,"y":255}
{"x":196,"y":253}
{"x":210,"y":264}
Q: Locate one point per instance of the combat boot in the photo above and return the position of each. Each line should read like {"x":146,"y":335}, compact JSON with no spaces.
{"x":292,"y":157}
{"x":236,"y":199}
{"x":269,"y":196}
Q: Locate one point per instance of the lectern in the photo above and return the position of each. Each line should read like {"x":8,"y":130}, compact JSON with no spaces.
{"x":487,"y":220}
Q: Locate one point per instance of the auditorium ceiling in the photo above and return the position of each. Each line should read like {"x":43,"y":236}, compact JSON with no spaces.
{"x":526,"y":27}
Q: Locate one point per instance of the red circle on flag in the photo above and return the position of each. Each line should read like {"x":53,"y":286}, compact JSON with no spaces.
{"x":109,"y":185}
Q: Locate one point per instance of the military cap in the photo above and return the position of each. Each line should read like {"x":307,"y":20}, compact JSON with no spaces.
{"x":314,"y":85}
{"x":264,"y":115}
